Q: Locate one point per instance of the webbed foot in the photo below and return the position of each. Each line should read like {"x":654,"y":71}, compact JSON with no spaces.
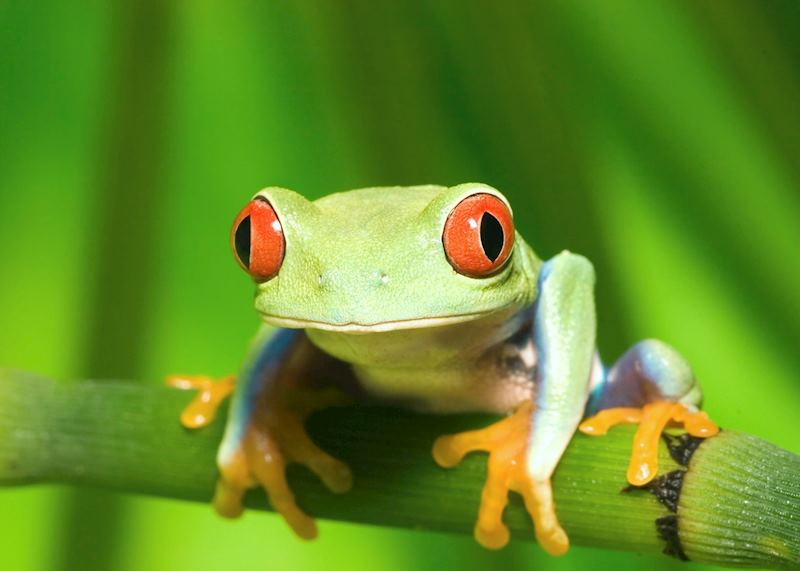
{"x":203,"y":408}
{"x":506,"y":442}
{"x":275,"y":437}
{"x":652,"y":419}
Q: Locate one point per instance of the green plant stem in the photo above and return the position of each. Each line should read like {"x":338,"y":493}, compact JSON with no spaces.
{"x":739,"y":504}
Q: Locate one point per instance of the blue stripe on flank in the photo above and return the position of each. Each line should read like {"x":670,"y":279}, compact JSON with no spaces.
{"x":539,"y":328}
{"x":593,"y":404}
{"x":254,"y":376}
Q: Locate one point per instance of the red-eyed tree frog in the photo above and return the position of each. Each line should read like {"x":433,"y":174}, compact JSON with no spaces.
{"x":428,"y":296}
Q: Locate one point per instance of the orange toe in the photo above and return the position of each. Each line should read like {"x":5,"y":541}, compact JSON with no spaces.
{"x":276,"y":437}
{"x":698,"y":424}
{"x":506,"y":442}
{"x":203,"y":408}
{"x":652,"y":418}
{"x":605,"y":419}
{"x":643,"y":466}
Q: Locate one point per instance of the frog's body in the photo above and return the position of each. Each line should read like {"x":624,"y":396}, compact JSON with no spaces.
{"x":465,"y":367}
{"x":430,"y":299}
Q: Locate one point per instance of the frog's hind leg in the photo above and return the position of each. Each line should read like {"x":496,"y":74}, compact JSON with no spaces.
{"x":265,"y":429}
{"x":652,"y":385}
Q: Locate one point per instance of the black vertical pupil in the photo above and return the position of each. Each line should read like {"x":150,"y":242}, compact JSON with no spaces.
{"x":492,"y":237}
{"x":242,"y":241}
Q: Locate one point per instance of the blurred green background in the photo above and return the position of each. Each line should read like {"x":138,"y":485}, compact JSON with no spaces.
{"x":660,"y":139}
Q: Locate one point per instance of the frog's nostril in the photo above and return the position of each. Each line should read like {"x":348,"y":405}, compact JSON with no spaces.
{"x":384,"y":279}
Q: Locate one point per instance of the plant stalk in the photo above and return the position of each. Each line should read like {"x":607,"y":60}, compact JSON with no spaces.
{"x":730,"y":500}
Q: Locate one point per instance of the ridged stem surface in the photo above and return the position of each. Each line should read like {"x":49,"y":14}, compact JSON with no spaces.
{"x":739,"y":504}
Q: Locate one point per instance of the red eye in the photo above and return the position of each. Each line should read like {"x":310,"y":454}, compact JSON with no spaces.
{"x":478,"y":235}
{"x":257,"y":239}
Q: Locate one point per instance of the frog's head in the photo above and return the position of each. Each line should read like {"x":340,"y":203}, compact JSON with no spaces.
{"x":383,"y":259}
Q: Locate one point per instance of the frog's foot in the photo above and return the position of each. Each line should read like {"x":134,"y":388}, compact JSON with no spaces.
{"x":203,"y":408}
{"x":273,"y":439}
{"x":507,"y":444}
{"x":652,"y":419}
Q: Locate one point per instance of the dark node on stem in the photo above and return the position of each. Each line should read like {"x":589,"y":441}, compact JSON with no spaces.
{"x":667,"y":489}
{"x":667,"y":528}
{"x":682,"y":447}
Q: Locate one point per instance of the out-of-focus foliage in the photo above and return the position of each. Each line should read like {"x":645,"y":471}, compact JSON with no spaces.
{"x":660,"y":139}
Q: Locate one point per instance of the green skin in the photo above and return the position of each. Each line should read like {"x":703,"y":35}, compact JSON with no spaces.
{"x":361,"y":288}
{"x":366,"y":276}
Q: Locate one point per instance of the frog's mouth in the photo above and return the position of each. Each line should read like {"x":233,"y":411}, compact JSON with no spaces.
{"x":378,"y":327}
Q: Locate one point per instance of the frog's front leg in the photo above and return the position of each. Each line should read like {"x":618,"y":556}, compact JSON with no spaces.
{"x":265,"y":429}
{"x":653,"y":385}
{"x":526,"y":447}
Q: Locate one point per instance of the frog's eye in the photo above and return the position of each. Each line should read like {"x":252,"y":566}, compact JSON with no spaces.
{"x":478,"y":235}
{"x":257,"y":239}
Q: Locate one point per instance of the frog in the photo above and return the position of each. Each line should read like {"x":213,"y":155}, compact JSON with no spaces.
{"x":428,"y":296}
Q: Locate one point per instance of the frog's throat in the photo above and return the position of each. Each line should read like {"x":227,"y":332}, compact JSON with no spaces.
{"x":378,"y":327}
